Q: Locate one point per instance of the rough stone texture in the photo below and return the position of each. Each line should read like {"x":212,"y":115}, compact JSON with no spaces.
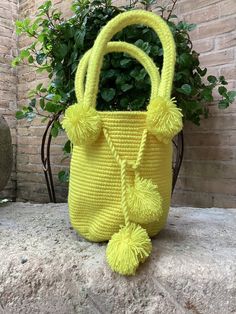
{"x":46,"y":268}
{"x":5,"y":153}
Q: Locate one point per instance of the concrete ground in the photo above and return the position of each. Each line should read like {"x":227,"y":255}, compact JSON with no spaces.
{"x":46,"y":268}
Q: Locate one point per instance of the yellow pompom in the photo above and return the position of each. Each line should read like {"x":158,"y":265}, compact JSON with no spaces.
{"x":164,"y":119}
{"x":127,"y":248}
{"x":82,"y":124}
{"x":144,"y":201}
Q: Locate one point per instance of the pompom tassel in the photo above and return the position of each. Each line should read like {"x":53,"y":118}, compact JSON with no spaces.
{"x":164,"y":119}
{"x":82,"y":124}
{"x":144,"y":201}
{"x":127,"y":248}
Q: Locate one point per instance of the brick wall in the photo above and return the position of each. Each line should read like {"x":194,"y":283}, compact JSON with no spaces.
{"x":208,"y":175}
{"x":8,"y":79}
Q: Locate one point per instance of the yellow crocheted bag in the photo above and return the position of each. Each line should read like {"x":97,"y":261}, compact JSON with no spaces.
{"x":120,"y":172}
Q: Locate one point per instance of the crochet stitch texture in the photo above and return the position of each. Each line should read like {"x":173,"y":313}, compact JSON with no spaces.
{"x":120,"y":173}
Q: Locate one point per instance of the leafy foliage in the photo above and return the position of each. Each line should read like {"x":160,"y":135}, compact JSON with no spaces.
{"x":59,"y":43}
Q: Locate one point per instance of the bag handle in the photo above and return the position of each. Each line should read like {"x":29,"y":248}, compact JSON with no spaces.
{"x":118,"y":46}
{"x":114,"y":26}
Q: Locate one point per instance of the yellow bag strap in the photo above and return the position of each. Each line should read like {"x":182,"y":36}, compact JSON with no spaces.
{"x":118,"y":46}
{"x":117,"y":24}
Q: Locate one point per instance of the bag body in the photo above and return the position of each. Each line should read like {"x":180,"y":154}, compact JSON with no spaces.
{"x":95,"y":187}
{"x":121,"y":167}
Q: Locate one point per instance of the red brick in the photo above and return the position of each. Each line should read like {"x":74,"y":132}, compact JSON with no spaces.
{"x":192,"y":5}
{"x":227,"y":7}
{"x":220,"y":186}
{"x":209,"y":169}
{"x":191,"y":198}
{"x":221,"y":200}
{"x":229,"y":71}
{"x":217,"y":27}
{"x":203,"y":15}
{"x":217,"y":58}
{"x":226,"y":41}
{"x":204,"y":45}
{"x":208,"y":139}
{"x":210,"y":153}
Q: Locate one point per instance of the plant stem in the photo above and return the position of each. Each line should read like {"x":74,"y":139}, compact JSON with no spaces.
{"x":172,"y":9}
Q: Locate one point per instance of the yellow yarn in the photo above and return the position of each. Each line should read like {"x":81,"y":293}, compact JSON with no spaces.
{"x":119,"y":46}
{"x":114,"y":26}
{"x":102,"y":174}
{"x":127,"y":248}
{"x":164,"y":119}
{"x":144,"y":201}
{"x":82,"y":124}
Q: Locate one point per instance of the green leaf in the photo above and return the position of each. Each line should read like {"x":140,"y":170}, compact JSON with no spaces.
{"x":51,"y":107}
{"x":42,"y":103}
{"x":125,"y":62}
{"x":79,"y":38}
{"x":40,"y":58}
{"x":191,"y":27}
{"x":30,"y":116}
{"x":124,"y":103}
{"x":16,"y":61}
{"x":212,"y":79}
{"x":108,"y":74}
{"x":138,"y":103}
{"x":126,"y":87}
{"x":24,"y":53}
{"x":185,"y":89}
{"x":202,"y":72}
{"x":185,"y":60}
{"x":108,"y":94}
{"x":61,"y":50}
{"x":222,"y":80}
{"x":32,"y":102}
{"x":67,"y":147}
{"x":231,"y":96}
{"x":222,"y":90}
{"x":20,"y":115}
{"x":223,"y":104}
{"x":54,"y":131}
{"x":139,"y":75}
{"x":39,"y":86}
{"x":63,"y":176}
{"x":45,"y":6}
{"x":30,"y":59}
{"x":207,"y":94}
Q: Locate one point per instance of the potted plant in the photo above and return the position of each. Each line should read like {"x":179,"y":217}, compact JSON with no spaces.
{"x":59,"y":43}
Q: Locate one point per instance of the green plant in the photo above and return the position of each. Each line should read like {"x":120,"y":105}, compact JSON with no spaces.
{"x":58,"y":44}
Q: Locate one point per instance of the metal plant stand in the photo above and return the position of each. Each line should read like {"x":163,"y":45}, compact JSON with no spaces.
{"x":178,"y":150}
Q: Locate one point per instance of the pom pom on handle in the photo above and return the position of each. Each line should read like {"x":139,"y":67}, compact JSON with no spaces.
{"x":164,"y":119}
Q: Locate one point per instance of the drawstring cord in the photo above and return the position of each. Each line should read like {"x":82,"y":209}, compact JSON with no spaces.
{"x":123,"y":166}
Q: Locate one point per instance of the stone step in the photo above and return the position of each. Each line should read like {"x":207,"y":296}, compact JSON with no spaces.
{"x":45,"y":267}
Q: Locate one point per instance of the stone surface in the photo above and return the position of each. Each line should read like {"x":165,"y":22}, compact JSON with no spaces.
{"x":45,"y":267}
{"x":6,"y":155}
